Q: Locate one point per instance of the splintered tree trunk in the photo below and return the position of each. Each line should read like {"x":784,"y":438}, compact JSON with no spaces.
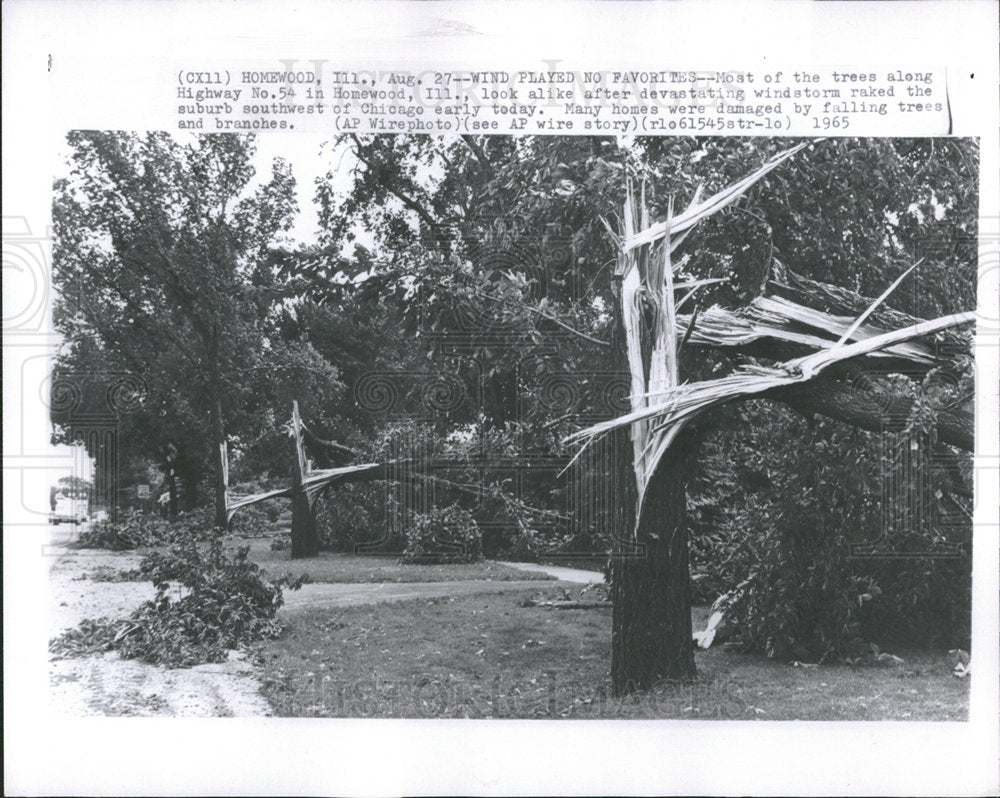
{"x":651,"y":634}
{"x":305,"y":542}
{"x":651,"y":621}
{"x":172,"y":490}
{"x":651,"y":628}
{"x":218,"y":436}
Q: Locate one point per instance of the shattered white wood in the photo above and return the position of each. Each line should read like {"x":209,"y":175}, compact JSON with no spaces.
{"x":675,"y":406}
{"x":660,"y":406}
{"x":698,"y":211}
{"x":776,"y":318}
{"x":647,"y":287}
{"x":313,"y":481}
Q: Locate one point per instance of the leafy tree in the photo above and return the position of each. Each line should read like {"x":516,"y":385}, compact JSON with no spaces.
{"x":74,"y":487}
{"x":160,"y":257}
{"x":495,"y":242}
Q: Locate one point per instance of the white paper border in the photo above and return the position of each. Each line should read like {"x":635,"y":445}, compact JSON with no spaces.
{"x":179,"y":756}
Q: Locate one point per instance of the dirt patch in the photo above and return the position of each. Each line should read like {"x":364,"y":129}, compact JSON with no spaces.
{"x":74,"y":597}
{"x":107,"y":685}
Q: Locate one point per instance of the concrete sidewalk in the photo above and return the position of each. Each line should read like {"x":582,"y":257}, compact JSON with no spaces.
{"x":343,"y":594}
{"x":575,"y":575}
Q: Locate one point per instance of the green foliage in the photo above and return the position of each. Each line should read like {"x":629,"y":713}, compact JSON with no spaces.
{"x":224,"y":601}
{"x":160,"y":260}
{"x":255,"y":521}
{"x":443,"y":535}
{"x":91,"y":636}
{"x":192,"y":525}
{"x":778,"y":521}
{"x":526,"y":544}
{"x":517,"y":241}
{"x":132,"y":530}
{"x":925,"y":601}
{"x":354,"y":515}
{"x":136,"y":529}
{"x":800,"y":602}
{"x":820,"y":604}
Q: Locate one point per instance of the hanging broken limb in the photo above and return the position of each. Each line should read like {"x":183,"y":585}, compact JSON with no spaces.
{"x":308,"y":484}
{"x":672,"y":407}
{"x":871,"y":410}
{"x":786,"y":283}
{"x":783,"y":320}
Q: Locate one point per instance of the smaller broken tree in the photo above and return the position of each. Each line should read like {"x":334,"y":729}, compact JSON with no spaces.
{"x":308,"y":484}
{"x":651,"y":632}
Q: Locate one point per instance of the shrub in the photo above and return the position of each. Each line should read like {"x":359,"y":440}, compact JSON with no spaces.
{"x":443,"y":535}
{"x":197,"y":524}
{"x":352,"y":514}
{"x":135,"y":529}
{"x":228,"y":602}
{"x":801,"y":601}
{"x":816,"y":602}
{"x":924,"y":601}
{"x":524,"y":544}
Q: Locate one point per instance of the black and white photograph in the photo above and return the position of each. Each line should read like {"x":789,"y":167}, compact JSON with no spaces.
{"x":422,"y":413}
{"x":531,"y":428}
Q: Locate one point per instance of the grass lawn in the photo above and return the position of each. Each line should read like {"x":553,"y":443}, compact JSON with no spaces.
{"x":487,"y":656}
{"x":336,"y":567}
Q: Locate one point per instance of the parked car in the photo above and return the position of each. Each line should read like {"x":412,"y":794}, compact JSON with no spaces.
{"x":68,"y":511}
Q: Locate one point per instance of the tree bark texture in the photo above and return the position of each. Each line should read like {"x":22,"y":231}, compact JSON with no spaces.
{"x":305,"y":541}
{"x":651,"y":619}
{"x":869,"y":410}
{"x":218,"y":436}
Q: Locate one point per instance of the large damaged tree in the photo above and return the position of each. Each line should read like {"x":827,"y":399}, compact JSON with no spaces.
{"x":817,"y":356}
